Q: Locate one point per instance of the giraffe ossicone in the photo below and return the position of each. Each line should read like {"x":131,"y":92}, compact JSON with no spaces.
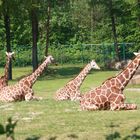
{"x":71,"y":91}
{"x":109,"y":96}
{"x":22,"y":90}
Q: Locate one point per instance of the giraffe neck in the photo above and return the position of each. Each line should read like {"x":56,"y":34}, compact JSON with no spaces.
{"x":125,"y":76}
{"x":7,"y":68}
{"x":31,"y":79}
{"x":81,"y":76}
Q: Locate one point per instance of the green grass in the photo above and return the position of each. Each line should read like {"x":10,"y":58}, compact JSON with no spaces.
{"x":52,"y":120}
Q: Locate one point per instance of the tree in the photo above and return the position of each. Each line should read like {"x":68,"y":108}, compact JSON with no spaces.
{"x":6,"y":15}
{"x":113,"y":24}
{"x":34,"y":23}
{"x":48,"y":26}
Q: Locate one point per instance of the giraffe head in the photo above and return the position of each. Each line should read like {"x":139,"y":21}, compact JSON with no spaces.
{"x":10,"y":55}
{"x":94,"y":65}
{"x":137,"y":56}
{"x":49,"y":59}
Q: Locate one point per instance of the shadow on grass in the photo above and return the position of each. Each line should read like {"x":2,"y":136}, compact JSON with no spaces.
{"x":33,"y":138}
{"x":73,"y":136}
{"x":53,"y":138}
{"x":59,"y":73}
{"x":117,"y":135}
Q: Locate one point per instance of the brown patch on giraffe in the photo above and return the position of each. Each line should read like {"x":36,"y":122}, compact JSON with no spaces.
{"x":114,"y":89}
{"x":87,"y":95}
{"x":97,"y":99}
{"x":131,"y":66}
{"x":112,"y":82}
{"x":72,"y":86}
{"x":69,"y":89}
{"x":27,"y":83}
{"x":93,"y":95}
{"x":108,"y":92}
{"x":118,"y":84}
{"x":108,"y":83}
{"x":75,"y":82}
{"x":103,"y":98}
{"x":119,"y":99}
{"x":107,"y":105}
{"x":126,"y":73}
{"x":98,"y":91}
{"x":78,"y":80}
{"x":122,"y":79}
{"x":101,"y":105}
{"x":113,"y":97}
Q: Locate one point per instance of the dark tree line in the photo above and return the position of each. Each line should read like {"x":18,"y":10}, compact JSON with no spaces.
{"x":44,"y":22}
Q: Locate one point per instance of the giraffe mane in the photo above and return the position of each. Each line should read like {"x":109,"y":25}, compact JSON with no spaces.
{"x":119,"y":72}
{"x":78,"y":74}
{"x":126,"y":66}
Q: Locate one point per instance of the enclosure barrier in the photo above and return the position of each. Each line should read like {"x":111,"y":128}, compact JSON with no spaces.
{"x":72,"y":53}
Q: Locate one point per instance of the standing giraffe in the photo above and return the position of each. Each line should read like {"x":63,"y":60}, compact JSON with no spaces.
{"x":23,"y":89}
{"x":4,"y":78}
{"x":110,"y":94}
{"x":72,"y":89}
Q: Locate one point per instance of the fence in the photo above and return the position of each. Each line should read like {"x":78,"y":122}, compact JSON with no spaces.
{"x":77,"y":53}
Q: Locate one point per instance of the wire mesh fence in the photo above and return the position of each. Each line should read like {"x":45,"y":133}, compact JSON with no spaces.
{"x":76,"y":53}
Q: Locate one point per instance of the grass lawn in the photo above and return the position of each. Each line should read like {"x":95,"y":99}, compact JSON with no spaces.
{"x":51,"y":120}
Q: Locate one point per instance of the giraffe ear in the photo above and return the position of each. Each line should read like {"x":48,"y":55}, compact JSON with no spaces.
{"x":135,"y":53}
{"x":6,"y":53}
{"x":45,"y":57}
{"x":12,"y":53}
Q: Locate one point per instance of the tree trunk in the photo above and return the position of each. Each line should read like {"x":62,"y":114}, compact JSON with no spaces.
{"x":48,"y":27}
{"x":114,"y":29}
{"x":7,"y":31}
{"x":34,"y":21}
{"x":138,"y":3}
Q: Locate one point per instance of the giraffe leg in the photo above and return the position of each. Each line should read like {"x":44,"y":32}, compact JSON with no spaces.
{"x":75,"y":96}
{"x":30,"y":96}
{"x":117,"y":102}
{"x":89,"y":107}
{"x":120,"y":105}
{"x":61,"y":95}
{"x":127,"y":106}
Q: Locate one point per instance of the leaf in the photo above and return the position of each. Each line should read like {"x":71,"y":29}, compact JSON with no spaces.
{"x":2,"y":131}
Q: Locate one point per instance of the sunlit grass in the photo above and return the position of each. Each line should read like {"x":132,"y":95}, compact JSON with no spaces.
{"x":51,"y":120}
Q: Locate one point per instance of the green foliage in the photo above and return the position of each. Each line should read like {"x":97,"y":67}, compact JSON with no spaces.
{"x":72,"y":23}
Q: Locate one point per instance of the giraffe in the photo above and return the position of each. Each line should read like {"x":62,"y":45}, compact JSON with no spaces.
{"x":22,"y":90}
{"x":71,"y":91}
{"x":109,"y":96}
{"x":4,"y":78}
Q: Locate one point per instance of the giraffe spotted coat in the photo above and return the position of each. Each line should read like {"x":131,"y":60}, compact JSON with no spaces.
{"x":110,"y":94}
{"x":71,"y":91}
{"x":23,"y":89}
{"x":4,"y":78}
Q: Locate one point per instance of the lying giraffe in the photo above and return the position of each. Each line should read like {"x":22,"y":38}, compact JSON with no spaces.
{"x":4,"y":78}
{"x":110,"y":94}
{"x":71,"y":91}
{"x":23,"y":89}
